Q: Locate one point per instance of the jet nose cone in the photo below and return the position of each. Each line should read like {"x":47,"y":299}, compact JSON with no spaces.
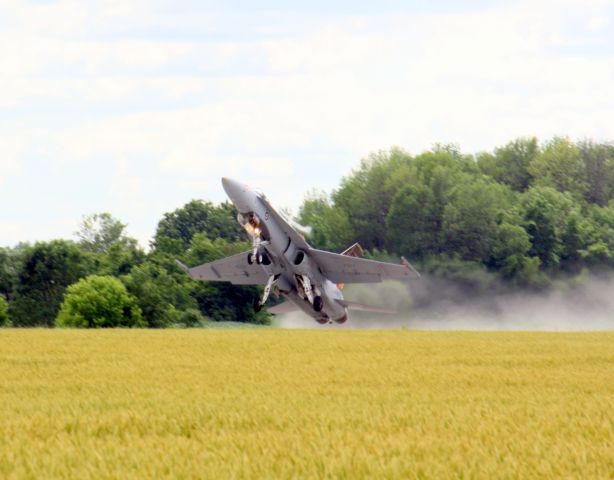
{"x":237,"y":192}
{"x":231,"y":187}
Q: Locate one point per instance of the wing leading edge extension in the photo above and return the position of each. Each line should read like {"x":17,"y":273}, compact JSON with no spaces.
{"x":345,"y":269}
{"x":234,"y":269}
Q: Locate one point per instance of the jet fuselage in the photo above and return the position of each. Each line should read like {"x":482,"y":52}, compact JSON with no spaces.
{"x":284,"y":255}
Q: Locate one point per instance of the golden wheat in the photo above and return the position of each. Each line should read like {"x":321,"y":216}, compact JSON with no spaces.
{"x":277,"y":404}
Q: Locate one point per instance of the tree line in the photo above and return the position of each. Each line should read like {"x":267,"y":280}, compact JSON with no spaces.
{"x":105,"y":279}
{"x":523,"y":216}
{"x":526,"y":215}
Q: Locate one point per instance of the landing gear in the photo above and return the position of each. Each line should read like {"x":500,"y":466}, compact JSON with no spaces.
{"x":258,"y":304}
{"x":259,"y":258}
{"x":263,"y":259}
{"x":318,"y":303}
{"x":256,"y":241}
{"x":304,"y":286}
{"x":308,"y":292}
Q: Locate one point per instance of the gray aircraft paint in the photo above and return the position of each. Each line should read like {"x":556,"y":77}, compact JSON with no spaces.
{"x":291,"y":267}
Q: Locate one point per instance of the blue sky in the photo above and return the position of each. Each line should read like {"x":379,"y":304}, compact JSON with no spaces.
{"x":136,"y":107}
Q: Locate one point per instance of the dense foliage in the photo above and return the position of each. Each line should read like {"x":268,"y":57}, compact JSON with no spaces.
{"x":525,"y":215}
{"x":46,"y":269}
{"x":176,"y":229}
{"x":99,"y":302}
{"x":35,"y":278}
{"x":4,"y":313}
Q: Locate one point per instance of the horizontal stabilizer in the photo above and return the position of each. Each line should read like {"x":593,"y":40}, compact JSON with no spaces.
{"x":183,"y":266}
{"x":364,"y":308}
{"x":410,"y":266}
{"x":353,"y":251}
{"x":285,"y":307}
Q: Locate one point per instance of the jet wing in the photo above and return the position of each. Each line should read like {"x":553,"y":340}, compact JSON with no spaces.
{"x":233,"y":269}
{"x":344,"y":269}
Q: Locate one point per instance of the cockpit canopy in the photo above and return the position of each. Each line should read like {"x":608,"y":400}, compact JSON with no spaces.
{"x":252,"y":224}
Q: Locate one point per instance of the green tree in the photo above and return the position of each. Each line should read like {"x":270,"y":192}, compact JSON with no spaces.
{"x":192,"y":317}
{"x":330,"y":227}
{"x":510,"y":255}
{"x":46,"y":269}
{"x":99,"y":302}
{"x":423,"y":189}
{"x":120,"y":258}
{"x":4,"y":312}
{"x":598,"y":248}
{"x":560,"y":166}
{"x":204,"y":249}
{"x":510,"y":163}
{"x":452,"y":278}
{"x":598,"y":160}
{"x":366,"y":195}
{"x":103,"y":236}
{"x":546,"y":215}
{"x":160,"y":296}
{"x":99,"y":231}
{"x":414,"y":222}
{"x":470,"y":219}
{"x":176,"y":229}
{"x":9,"y":259}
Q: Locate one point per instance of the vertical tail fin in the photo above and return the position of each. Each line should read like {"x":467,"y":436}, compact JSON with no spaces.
{"x":353,"y":251}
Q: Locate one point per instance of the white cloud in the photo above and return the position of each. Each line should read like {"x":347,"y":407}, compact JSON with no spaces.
{"x":597,"y":23}
{"x":9,"y":156}
{"x":303,"y":106}
{"x":11,"y":233}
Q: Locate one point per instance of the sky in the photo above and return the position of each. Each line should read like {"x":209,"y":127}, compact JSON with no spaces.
{"x":136,"y":107}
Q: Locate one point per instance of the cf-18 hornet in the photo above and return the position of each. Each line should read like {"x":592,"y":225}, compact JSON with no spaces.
{"x":310,"y":280}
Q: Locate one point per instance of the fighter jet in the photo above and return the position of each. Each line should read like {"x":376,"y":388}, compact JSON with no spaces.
{"x":308,"y":279}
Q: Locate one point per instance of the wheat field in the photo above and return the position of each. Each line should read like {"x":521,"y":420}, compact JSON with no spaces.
{"x":270,"y":403}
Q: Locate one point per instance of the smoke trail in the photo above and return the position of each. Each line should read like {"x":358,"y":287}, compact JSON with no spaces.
{"x":444,"y":304}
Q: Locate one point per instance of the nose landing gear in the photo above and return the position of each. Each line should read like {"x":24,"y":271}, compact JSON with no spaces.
{"x":261,"y":258}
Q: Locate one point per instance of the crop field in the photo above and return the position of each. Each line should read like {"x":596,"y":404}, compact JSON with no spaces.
{"x":268,"y":403}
